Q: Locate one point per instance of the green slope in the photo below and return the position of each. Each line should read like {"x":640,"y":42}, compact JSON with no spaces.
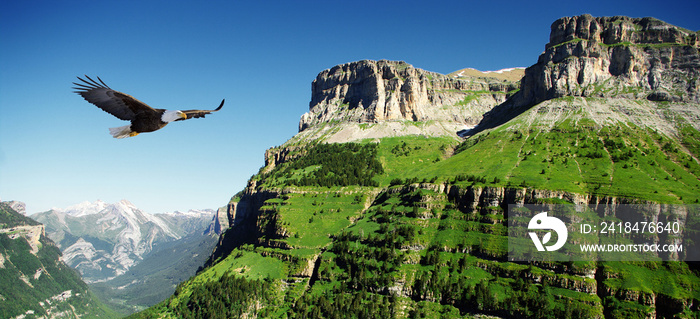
{"x":403,"y":247}
{"x":579,"y":156}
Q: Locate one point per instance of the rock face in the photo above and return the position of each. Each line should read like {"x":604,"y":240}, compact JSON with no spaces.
{"x":220,"y":222}
{"x":19,"y":207}
{"x":616,"y":56}
{"x":30,"y":233}
{"x":375,"y":91}
{"x":612,"y":58}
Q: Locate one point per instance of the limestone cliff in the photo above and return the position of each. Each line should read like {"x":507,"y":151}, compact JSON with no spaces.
{"x":613,"y":58}
{"x":375,"y":91}
{"x":616,"y":56}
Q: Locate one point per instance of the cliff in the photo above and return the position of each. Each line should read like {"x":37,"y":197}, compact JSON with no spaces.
{"x":629,"y":57}
{"x":612,"y":58}
{"x":383,"y":91}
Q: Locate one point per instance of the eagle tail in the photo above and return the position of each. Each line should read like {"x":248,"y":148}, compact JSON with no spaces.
{"x":121,"y":132}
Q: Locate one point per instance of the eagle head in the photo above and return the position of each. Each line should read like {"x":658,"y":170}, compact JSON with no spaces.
{"x":169,"y":116}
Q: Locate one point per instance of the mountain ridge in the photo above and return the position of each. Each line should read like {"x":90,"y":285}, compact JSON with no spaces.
{"x":131,"y":232}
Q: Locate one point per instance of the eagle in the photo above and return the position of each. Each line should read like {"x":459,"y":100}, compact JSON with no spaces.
{"x":125,"y":107}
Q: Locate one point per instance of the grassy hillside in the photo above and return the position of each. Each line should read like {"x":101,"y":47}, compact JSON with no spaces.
{"x":403,"y":246}
{"x":582,"y":157}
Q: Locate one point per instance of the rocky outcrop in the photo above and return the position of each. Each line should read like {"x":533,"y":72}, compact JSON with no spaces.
{"x":616,"y":56}
{"x":30,"y":233}
{"x":247,"y":221}
{"x":375,"y":91}
{"x":612,"y":58}
{"x":220,"y":222}
{"x":18,"y":206}
{"x":277,"y":155}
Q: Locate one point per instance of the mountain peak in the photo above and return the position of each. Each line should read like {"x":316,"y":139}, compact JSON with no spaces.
{"x":120,"y":234}
{"x":127,"y":204}
{"x":18,"y":206}
{"x":507,"y":74}
{"x":84,"y":208}
{"x":631,"y":57}
{"x":619,"y":58}
{"x":619,"y":30}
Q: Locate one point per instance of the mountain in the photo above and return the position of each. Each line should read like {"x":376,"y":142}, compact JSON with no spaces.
{"x":379,"y":208}
{"x":130,"y":258}
{"x":509,"y":74}
{"x":17,"y":206}
{"x":105,"y":240}
{"x":36,"y":283}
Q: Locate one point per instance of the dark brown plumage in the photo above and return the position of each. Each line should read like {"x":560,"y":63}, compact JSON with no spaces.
{"x":125,"y":107}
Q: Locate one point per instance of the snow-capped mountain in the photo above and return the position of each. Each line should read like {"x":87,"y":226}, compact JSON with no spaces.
{"x":103,"y":240}
{"x":84,"y":208}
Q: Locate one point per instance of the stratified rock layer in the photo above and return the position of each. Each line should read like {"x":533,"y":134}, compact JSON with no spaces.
{"x":375,"y":91}
{"x":616,"y":57}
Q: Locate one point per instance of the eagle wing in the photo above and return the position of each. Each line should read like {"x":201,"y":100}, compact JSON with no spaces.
{"x":121,"y":105}
{"x":200,"y":113}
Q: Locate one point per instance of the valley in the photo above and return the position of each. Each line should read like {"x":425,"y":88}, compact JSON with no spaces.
{"x":129,"y":258}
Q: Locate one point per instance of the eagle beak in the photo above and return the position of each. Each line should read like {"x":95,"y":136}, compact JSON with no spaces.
{"x":183,"y":116}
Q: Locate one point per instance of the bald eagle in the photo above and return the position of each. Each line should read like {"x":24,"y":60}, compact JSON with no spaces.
{"x":125,"y":107}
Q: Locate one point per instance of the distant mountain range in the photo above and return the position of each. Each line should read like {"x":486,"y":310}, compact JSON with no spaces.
{"x":104,"y":240}
{"x":107,"y":243}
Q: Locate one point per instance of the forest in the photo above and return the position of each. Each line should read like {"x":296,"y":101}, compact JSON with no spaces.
{"x":328,"y":165}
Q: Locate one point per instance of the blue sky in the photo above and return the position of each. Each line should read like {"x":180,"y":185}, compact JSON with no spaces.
{"x":55,"y":149}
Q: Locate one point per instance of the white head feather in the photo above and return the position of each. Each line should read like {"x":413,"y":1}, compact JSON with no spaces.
{"x":169,"y":116}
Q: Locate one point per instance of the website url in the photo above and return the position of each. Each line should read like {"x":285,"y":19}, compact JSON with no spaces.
{"x":632,"y":248}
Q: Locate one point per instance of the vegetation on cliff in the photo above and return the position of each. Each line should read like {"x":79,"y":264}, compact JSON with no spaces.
{"x":328,"y":165}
